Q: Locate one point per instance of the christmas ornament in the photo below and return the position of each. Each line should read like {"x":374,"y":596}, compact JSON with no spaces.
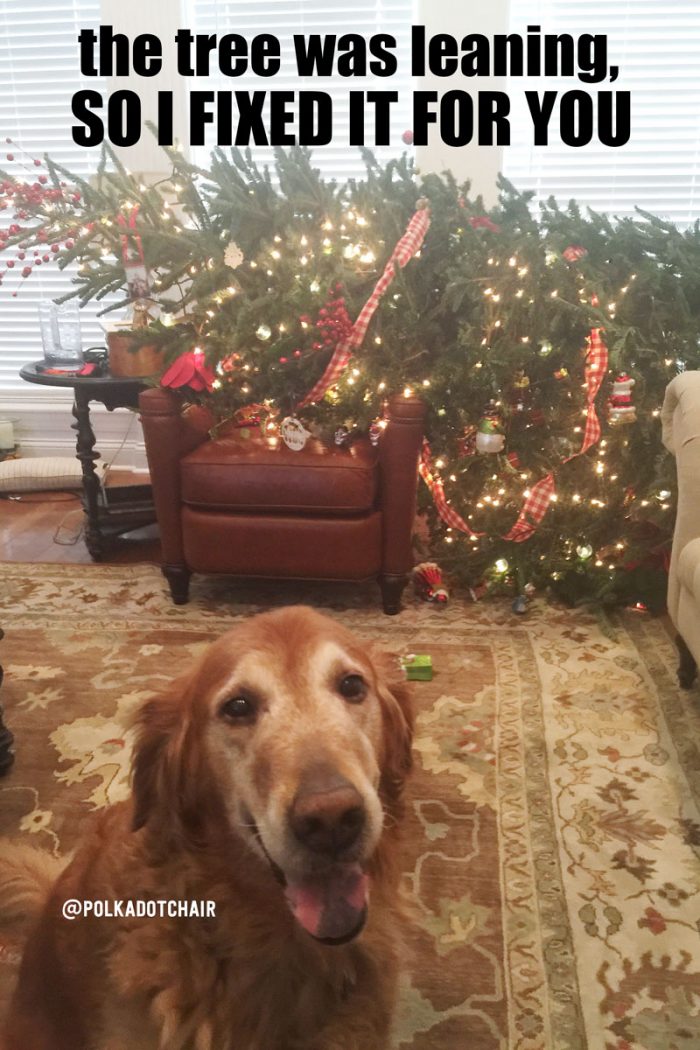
{"x":340,"y":438}
{"x":466,"y":446}
{"x":520,"y":400}
{"x":138,"y":279}
{"x":375,"y":433}
{"x":263,"y":332}
{"x":519,"y":605}
{"x":529,"y":590}
{"x":478,"y":591}
{"x":233,"y":256}
{"x":294,"y":434}
{"x":584,"y":551}
{"x":428,"y":583}
{"x":489,"y":438}
{"x":620,"y":407}
{"x":574,"y":252}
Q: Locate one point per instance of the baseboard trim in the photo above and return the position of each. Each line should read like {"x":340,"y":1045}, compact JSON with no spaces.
{"x":42,"y":427}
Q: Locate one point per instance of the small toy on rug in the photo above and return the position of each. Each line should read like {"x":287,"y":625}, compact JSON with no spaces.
{"x":520,"y":602}
{"x":418,"y":667}
{"x":429,"y":584}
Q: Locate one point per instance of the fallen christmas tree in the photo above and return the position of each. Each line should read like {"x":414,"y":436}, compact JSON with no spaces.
{"x":542,"y":341}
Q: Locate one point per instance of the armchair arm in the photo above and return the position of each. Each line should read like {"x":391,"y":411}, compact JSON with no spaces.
{"x":680,"y":417}
{"x":169,"y":437}
{"x":398,"y":461}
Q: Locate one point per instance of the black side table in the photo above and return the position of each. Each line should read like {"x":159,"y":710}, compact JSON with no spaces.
{"x":127,"y":506}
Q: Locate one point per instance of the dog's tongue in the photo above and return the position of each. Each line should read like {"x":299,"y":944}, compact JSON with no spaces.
{"x":332,"y":908}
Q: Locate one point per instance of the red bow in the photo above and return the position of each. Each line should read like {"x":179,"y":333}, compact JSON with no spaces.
{"x":189,"y":369}
{"x":482,"y":222}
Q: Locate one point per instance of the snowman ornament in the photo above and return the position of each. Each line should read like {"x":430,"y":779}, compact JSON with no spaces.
{"x":489,"y":438}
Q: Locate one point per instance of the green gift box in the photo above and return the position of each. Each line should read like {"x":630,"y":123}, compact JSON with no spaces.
{"x":418,"y":667}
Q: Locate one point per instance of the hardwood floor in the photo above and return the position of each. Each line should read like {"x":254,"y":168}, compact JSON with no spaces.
{"x":47,"y":527}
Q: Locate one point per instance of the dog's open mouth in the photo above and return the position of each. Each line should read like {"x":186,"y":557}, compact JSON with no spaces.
{"x":333,"y":907}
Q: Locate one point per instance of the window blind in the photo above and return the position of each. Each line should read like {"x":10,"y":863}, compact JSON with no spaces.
{"x":656,"y":46}
{"x":39,"y":73}
{"x":284,"y":18}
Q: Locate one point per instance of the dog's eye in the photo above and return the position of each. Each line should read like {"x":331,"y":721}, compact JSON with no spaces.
{"x":239,"y":709}
{"x":353,"y":688}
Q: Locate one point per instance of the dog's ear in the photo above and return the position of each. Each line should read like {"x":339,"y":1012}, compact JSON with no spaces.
{"x":166,"y":773}
{"x":397,"y":718}
{"x":157,"y":728}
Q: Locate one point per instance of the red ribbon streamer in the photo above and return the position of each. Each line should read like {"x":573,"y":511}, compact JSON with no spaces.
{"x":130,"y":231}
{"x":446,"y":512}
{"x":537,"y":502}
{"x":404,"y":251}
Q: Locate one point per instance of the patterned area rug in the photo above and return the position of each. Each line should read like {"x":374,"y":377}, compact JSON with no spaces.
{"x":552,"y":857}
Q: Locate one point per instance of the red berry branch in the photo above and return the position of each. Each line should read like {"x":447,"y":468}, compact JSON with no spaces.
{"x":30,"y":204}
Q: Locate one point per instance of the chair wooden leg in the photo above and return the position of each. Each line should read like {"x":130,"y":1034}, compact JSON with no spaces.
{"x":392,"y":588}
{"x":178,"y":577}
{"x":687,"y":668}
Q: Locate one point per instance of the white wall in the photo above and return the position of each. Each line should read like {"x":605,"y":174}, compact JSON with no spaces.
{"x":479,"y":164}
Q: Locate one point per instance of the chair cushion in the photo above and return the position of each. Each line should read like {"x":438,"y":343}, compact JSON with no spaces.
{"x":259,"y":474}
{"x":689,"y":568}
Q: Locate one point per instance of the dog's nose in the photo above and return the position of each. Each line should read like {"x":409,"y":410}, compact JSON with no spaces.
{"x":327,"y":814}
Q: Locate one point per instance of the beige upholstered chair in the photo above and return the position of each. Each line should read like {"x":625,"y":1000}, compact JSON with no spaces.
{"x":681,"y":436}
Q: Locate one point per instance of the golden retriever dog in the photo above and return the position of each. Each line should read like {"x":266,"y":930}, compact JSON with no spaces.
{"x":267,"y":781}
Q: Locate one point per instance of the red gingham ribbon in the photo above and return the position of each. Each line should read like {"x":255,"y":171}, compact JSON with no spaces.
{"x":596,"y":368}
{"x":533,"y":510}
{"x":537,"y":503}
{"x":404,"y":251}
{"x":446,"y":512}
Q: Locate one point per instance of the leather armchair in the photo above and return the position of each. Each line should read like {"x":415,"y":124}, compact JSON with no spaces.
{"x":249,"y":506}
{"x":680,"y":417}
